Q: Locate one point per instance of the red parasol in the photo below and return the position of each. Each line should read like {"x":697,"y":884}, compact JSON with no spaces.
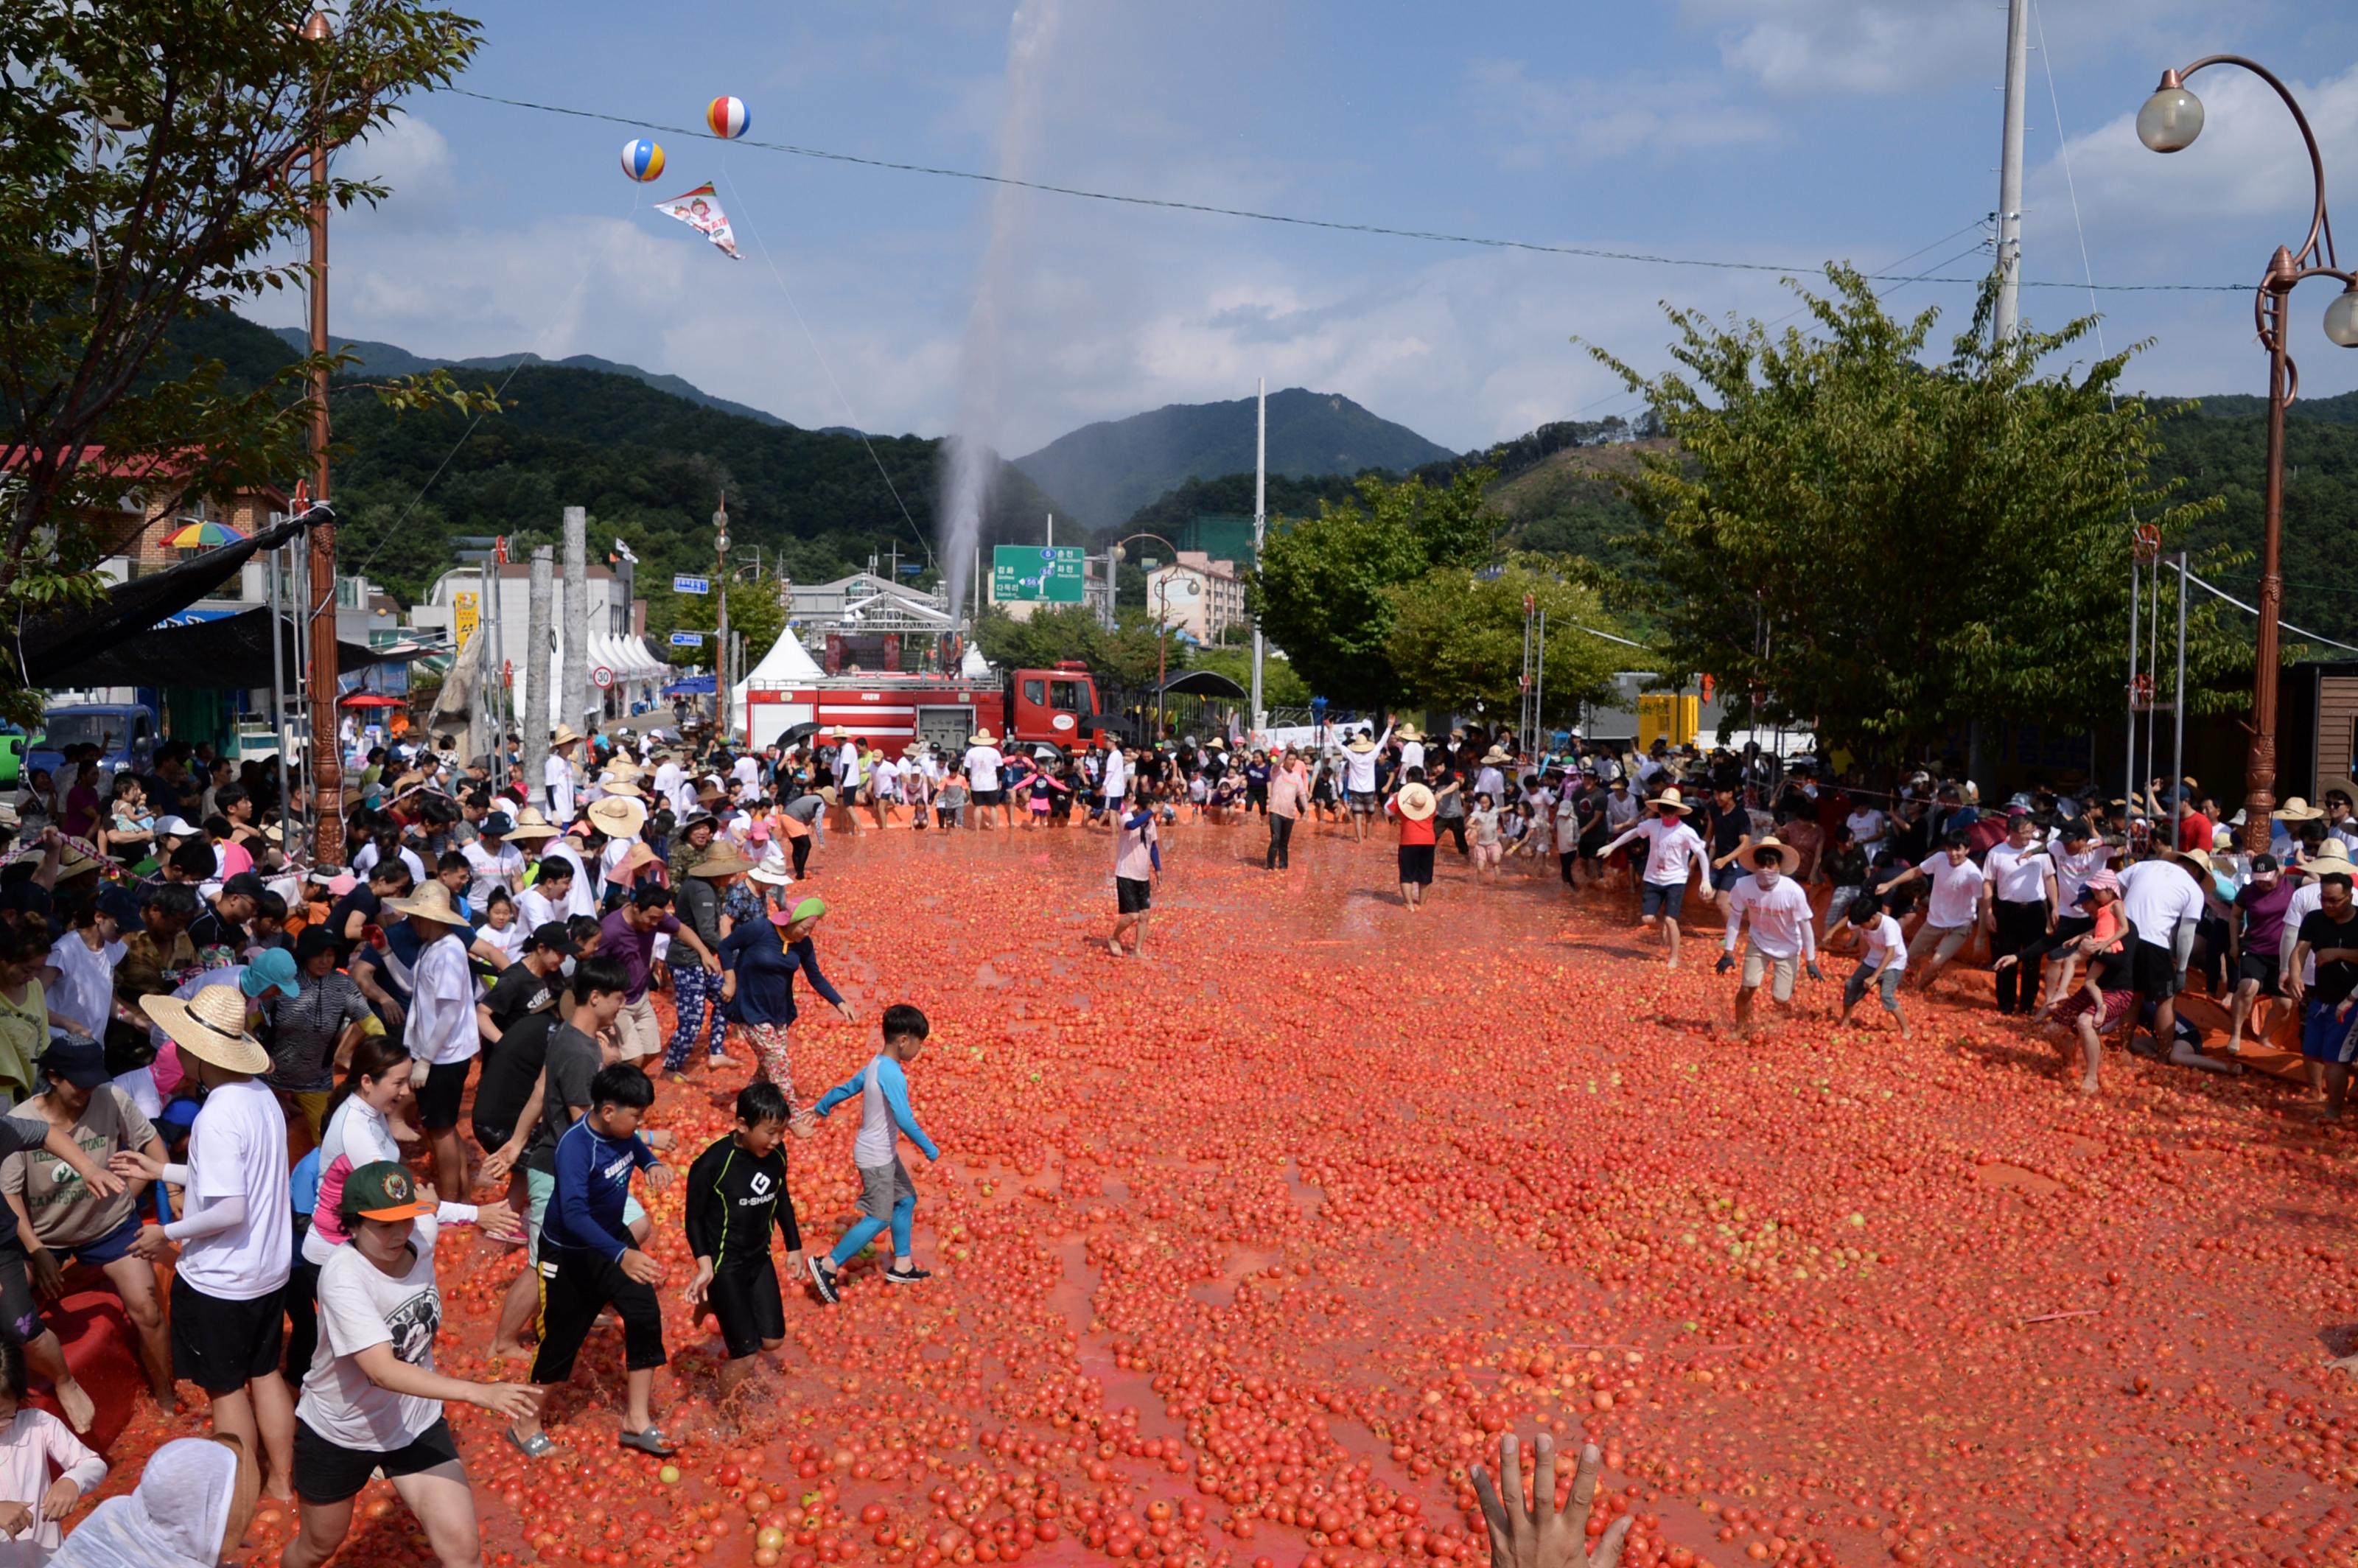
{"x":372,"y":699}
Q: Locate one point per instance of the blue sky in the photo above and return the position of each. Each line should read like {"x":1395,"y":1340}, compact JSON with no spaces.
{"x":1782,"y":132}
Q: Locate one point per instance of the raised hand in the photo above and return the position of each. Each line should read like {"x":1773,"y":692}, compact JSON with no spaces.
{"x":1541,"y":1535}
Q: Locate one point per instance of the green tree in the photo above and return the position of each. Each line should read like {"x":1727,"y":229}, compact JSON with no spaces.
{"x":1456,"y":637}
{"x":1322,"y":590}
{"x":1891,"y":549}
{"x":754,"y":615}
{"x":1281,"y":685}
{"x":155,"y":167}
{"x":1126,"y":655}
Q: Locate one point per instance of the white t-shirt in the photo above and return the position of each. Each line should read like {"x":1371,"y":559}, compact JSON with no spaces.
{"x":1411,"y":754}
{"x":1956,"y":891}
{"x":366,"y":858}
{"x":747,"y":770}
{"x":2072,"y":871}
{"x":1781,"y":918}
{"x":557,"y":774}
{"x":2016,"y":876}
{"x":1866,"y":825}
{"x":2156,"y":895}
{"x":1883,"y":938}
{"x":886,"y":781}
{"x":496,"y":865}
{"x":85,"y":988}
{"x":238,"y":1149}
{"x":1671,"y":848}
{"x":983,"y":765}
{"x":360,"y":1305}
{"x":1359,"y":769}
{"x":2306,"y":900}
{"x":534,"y":909}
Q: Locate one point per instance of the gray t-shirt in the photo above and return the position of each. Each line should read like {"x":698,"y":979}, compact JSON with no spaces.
{"x":573,"y":1060}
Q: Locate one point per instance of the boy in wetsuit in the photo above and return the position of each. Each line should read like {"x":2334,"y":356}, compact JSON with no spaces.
{"x":736,"y":1190}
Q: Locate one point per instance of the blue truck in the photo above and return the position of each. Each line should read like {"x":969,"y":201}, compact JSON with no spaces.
{"x":124,"y":733}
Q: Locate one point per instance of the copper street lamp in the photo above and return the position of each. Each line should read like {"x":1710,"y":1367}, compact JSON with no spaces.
{"x":2168,"y":123}
{"x":1162,"y":626}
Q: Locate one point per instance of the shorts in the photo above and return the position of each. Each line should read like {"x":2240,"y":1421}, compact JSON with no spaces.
{"x":1725,"y":878}
{"x":1416,"y":865}
{"x":1133,"y":895}
{"x":491,"y":1138}
{"x":1663,"y":898}
{"x":883,"y":1187}
{"x":1779,"y":972}
{"x":2154,"y":972}
{"x":1364,"y":800}
{"x":2119,"y":1007}
{"x":2325,"y":1038}
{"x":446,"y":1086}
{"x":539,"y":1187}
{"x":114,"y":1245}
{"x":635,"y":1027}
{"x":745,"y":1301}
{"x":1887,"y":985}
{"x":1940,"y":941}
{"x":2261,"y":968}
{"x":989,"y":797}
{"x":576,"y":1285}
{"x":311,"y":1105}
{"x":221,"y":1346}
{"x":327,"y":1472}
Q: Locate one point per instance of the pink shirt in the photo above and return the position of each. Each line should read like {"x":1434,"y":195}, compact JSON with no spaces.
{"x":1289,"y":790}
{"x":31,"y":1444}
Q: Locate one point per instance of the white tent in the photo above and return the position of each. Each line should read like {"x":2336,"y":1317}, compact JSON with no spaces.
{"x":786,"y":663}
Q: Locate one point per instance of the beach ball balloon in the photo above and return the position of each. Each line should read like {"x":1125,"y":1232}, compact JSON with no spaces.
{"x":643,"y":159}
{"x":727,"y":118}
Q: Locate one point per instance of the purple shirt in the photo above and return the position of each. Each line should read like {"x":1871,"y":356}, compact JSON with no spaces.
{"x":632,"y":948}
{"x":2263,"y":916}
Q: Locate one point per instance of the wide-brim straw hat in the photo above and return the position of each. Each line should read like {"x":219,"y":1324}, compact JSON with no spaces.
{"x":618,"y":817}
{"x":621,"y":770}
{"x":1494,"y":756}
{"x":2199,"y":857}
{"x":621,"y":787}
{"x":1671,"y":800}
{"x":210,"y":1026}
{"x":1751,"y":856}
{"x":1408,"y":733}
{"x":839,"y":733}
{"x":2331,"y":857}
{"x":2295,"y":809}
{"x":531,"y":824}
{"x":1360,"y":744}
{"x":563,"y":735}
{"x":983,"y":738}
{"x":640,"y":855}
{"x":1414,"y":802}
{"x":431,"y":901}
{"x":772,"y":871}
{"x":721,"y":863}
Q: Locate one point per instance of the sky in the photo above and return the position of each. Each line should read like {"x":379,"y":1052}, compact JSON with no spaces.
{"x":1780,"y":132}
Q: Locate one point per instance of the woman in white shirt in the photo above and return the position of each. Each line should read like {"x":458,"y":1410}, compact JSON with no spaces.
{"x":33,"y":1442}
{"x":371,"y":1399}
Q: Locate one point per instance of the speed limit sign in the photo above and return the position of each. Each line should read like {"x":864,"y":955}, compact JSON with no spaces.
{"x":601,"y":678}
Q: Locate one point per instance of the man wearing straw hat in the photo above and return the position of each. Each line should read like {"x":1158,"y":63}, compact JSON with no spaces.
{"x":1784,"y":930}
{"x":1413,"y":807}
{"x":984,"y":761}
{"x":236,"y":1241}
{"x":1671,"y":851}
{"x":440,"y":1031}
{"x":697,"y":989}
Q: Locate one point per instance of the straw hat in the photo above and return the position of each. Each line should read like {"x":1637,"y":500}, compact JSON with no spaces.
{"x":640,"y":855}
{"x":620,"y":788}
{"x":431,"y":901}
{"x":771,"y":871}
{"x":1671,"y":800}
{"x":2295,"y":809}
{"x":839,"y":733}
{"x":722,"y":862}
{"x":1408,"y":733}
{"x":2199,"y":857}
{"x":563,"y":735}
{"x":621,"y":770}
{"x":210,"y":1026}
{"x":1494,"y":756}
{"x":1414,"y":802}
{"x":530,"y":824}
{"x":2331,"y":857}
{"x":1751,"y":856}
{"x":983,"y":738}
{"x":618,"y":817}
{"x":1360,"y":744}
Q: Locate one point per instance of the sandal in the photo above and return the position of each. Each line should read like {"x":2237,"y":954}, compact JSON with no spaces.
{"x":651,"y":1441}
{"x":536,"y":1446}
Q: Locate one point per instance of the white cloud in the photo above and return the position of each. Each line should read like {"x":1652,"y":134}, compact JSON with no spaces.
{"x":1588,"y":121}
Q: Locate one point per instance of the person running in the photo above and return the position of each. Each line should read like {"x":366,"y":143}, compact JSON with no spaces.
{"x":1882,"y":961}
{"x":696,"y":987}
{"x":1289,"y":797}
{"x":736,"y":1192}
{"x":2256,"y":931}
{"x":1784,"y":932}
{"x":2328,"y":938}
{"x":236,"y":1243}
{"x":588,"y":1265}
{"x":372,"y":1400}
{"x":1137,"y":866}
{"x":1959,"y":891}
{"x":983,"y":763}
{"x":887,"y":1195}
{"x":1413,"y":807}
{"x":2021,"y":910}
{"x":1672,"y":850}
{"x":1360,"y":755}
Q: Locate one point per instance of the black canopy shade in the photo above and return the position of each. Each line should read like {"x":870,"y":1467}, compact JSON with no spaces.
{"x":231,"y":654}
{"x":1203,"y":683}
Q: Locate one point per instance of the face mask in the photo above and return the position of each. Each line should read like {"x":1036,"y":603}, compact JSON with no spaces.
{"x":1769,"y":876}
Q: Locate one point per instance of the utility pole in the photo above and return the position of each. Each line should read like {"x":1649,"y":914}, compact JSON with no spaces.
{"x":1261,"y":524}
{"x":327,"y":769}
{"x":720,"y":636}
{"x":575,"y":677}
{"x":538,"y":613}
{"x":2009,"y":171}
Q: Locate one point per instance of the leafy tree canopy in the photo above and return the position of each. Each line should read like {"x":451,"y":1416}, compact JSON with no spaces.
{"x":1456,"y":638}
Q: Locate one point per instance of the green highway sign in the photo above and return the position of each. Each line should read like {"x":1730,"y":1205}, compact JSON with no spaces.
{"x":1050,"y":572}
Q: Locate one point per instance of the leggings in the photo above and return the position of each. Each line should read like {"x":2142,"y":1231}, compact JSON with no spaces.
{"x":1453,"y":826}
{"x":802,"y":855}
{"x":1281,"y":835}
{"x":773,"y":1056}
{"x":302,"y":1316}
{"x":905,"y":1209}
{"x":2020,"y":926}
{"x":1257,"y":798}
{"x":1565,"y":860}
{"x":696,"y":993}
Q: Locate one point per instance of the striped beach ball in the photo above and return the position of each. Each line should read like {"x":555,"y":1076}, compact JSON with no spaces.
{"x":727,"y":117}
{"x":643,"y":159}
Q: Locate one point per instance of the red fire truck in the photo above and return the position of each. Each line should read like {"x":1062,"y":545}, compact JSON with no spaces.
{"x":896,"y":710}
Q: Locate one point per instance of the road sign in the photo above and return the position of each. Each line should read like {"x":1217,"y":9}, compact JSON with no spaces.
{"x":464,"y":617}
{"x":691,"y":585}
{"x":1037,"y":572}
{"x":688,"y":639}
{"x":601,"y":678}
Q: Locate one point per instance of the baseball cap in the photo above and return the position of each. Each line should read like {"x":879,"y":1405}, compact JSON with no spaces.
{"x":312,"y":941}
{"x":121,"y":903}
{"x":553,"y":936}
{"x":245,"y":884}
{"x":381,"y":1189}
{"x":271,"y":966}
{"x":82,"y":1063}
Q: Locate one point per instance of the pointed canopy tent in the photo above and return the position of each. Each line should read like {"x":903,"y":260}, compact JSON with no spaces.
{"x":786,"y":662}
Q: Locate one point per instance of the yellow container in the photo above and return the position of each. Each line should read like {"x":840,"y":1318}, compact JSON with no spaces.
{"x":1668,"y":716}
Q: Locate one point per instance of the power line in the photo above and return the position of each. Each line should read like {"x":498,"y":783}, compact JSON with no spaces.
{"x":1593,"y":253}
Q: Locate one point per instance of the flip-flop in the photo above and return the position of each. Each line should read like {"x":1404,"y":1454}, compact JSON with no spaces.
{"x":650,"y":1441}
{"x":537,"y":1446}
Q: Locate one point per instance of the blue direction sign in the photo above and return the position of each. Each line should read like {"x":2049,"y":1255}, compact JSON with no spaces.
{"x":688,"y":639}
{"x":691,"y":585}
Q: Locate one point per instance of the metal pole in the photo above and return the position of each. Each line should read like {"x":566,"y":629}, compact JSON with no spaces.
{"x":503,"y":698}
{"x":2178,"y":714}
{"x":1162,"y":651}
{"x":301,"y":583}
{"x":1538,"y":690}
{"x":539,"y":611}
{"x":2260,"y":769}
{"x":721,"y":631}
{"x":2137,"y":584}
{"x":279,"y":631}
{"x":2009,"y":176}
{"x":327,"y":773}
{"x":574,"y":678}
{"x":2153,"y":668}
{"x":1261,"y":526}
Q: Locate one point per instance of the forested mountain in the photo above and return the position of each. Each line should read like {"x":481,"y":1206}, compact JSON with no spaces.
{"x":1106,"y":472}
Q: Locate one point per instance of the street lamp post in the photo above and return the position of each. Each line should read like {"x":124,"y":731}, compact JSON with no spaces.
{"x":2168,"y":123}
{"x":1161,"y":628}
